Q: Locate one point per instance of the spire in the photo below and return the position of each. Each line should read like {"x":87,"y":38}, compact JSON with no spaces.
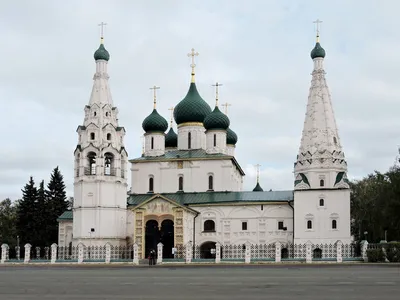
{"x":193,"y":65}
{"x":216,"y":92}
{"x":318,"y":51}
{"x":154,"y":88}
{"x":258,"y":187}
{"x":172,"y":115}
{"x":320,"y":146}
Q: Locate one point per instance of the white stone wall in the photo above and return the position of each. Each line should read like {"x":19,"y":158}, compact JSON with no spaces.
{"x":230,"y":149}
{"x":195,"y":176}
{"x":220,"y":139}
{"x":158,"y":144}
{"x":64,"y":233}
{"x":336,"y":207}
{"x":198,"y":137}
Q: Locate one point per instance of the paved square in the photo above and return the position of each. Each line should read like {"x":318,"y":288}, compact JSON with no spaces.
{"x":201,"y":282}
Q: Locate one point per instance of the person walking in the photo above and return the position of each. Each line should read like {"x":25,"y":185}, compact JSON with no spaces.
{"x":152,"y":257}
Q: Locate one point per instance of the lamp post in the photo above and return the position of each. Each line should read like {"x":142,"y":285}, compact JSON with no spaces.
{"x":90,"y":239}
{"x":366,"y":235}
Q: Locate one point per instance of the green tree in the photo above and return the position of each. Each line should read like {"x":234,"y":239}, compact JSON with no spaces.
{"x":41,"y":218}
{"x":56,"y":203}
{"x":8,"y":217}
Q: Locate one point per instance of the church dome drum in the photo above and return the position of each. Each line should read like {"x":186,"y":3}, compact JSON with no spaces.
{"x":216,"y":120}
{"x":154,"y":122}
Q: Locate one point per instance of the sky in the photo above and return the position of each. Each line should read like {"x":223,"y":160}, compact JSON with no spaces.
{"x":258,"y":50}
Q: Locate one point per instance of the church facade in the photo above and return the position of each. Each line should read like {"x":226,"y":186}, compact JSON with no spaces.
{"x":187,"y":185}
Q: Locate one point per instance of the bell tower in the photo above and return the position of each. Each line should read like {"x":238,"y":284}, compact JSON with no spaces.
{"x":100,"y":185}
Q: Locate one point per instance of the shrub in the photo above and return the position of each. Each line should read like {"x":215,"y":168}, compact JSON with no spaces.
{"x":375,"y":255}
{"x":393,"y":251}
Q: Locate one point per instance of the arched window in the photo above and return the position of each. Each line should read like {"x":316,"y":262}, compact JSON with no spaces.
{"x":94,"y":114}
{"x":106,"y":114}
{"x":309,"y":224}
{"x":92,"y":164}
{"x":180,"y":183}
{"x":215,"y":140}
{"x":151,"y":184}
{"x":284,"y":253}
{"x":92,"y":136}
{"x":321,"y":202}
{"x":334,"y":224}
{"x":152,"y":143}
{"x":321,"y":182}
{"x":210,"y":183}
{"x":189,"y":140}
{"x":108,"y":136}
{"x":108,"y":164}
{"x":209,"y":225}
{"x":334,"y":140}
{"x":317,"y":253}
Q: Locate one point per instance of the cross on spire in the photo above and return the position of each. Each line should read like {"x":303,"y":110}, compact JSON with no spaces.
{"x":216,"y":92}
{"x":258,"y":171}
{"x":154,"y":88}
{"x":102,"y":24}
{"x":317,"y":21}
{"x":193,"y":65}
{"x":172,"y":114}
{"x":226,"y":104}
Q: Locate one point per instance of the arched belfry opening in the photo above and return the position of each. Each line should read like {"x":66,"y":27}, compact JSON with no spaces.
{"x":91,"y":168}
{"x":109,"y":169}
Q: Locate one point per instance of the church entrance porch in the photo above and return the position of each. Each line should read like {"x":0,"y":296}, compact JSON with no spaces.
{"x":152,"y":237}
{"x":155,"y":234}
{"x":167,"y":238}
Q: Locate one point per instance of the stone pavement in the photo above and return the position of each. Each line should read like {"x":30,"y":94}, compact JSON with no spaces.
{"x":219,"y":282}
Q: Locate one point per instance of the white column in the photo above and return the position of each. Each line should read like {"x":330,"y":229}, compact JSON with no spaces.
{"x":339,"y":246}
{"x":53,"y":253}
{"x":80,"y":253}
{"x":27,"y":253}
{"x":308,"y":252}
{"x":278,"y":252}
{"x":135,"y":254}
{"x":108,"y":253}
{"x":247,"y":253}
{"x":217,"y":253}
{"x":4,"y":253}
{"x":159,"y":253}
{"x":364,"y":247}
{"x":189,"y":252}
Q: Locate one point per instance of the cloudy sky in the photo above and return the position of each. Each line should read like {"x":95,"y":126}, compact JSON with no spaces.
{"x":259,"y":50}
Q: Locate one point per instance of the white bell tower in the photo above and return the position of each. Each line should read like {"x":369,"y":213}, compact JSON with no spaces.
{"x":100,"y":185}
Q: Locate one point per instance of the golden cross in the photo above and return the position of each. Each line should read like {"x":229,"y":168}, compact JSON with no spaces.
{"x":102,"y":24}
{"x":258,"y":171}
{"x":226,"y":107}
{"x":193,"y":65}
{"x":172,"y":114}
{"x":216,"y":92}
{"x":317,"y":21}
{"x":154,"y":88}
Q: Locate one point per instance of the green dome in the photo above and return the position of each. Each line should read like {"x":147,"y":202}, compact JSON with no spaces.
{"x":101,"y":53}
{"x":318,"y":51}
{"x":231,"y":137}
{"x":216,"y":120}
{"x":155,"y":122}
{"x":258,"y":188}
{"x":171,"y":139}
{"x":192,"y":108}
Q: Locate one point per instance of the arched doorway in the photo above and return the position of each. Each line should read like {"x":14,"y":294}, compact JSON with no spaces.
{"x":167,"y":237}
{"x":207,"y":250}
{"x":152,"y":237}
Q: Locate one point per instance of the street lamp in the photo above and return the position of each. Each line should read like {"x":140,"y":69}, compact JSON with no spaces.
{"x":90,"y":239}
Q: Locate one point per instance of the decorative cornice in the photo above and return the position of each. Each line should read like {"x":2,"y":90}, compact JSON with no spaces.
{"x":190,"y":124}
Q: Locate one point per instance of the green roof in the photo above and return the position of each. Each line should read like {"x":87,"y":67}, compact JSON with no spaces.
{"x":216,"y":197}
{"x":195,"y":154}
{"x":66,"y":216}
{"x":318,"y":51}
{"x":231,"y":137}
{"x":101,"y":53}
{"x":258,"y":188}
{"x":216,"y":120}
{"x":171,"y":139}
{"x":154,"y":123}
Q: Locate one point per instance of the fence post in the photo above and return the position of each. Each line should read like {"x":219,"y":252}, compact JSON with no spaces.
{"x":364,"y":247}
{"x":247,"y":252}
{"x":53,"y":253}
{"x":308,"y":252}
{"x":108,"y":253}
{"x":217,"y":252}
{"x":18,"y":252}
{"x":339,"y":246}
{"x":189,"y":253}
{"x":135,"y":254}
{"x":80,"y":253}
{"x":159,"y":253}
{"x":4,"y":253}
{"x":278,"y":247}
{"x":28,"y":248}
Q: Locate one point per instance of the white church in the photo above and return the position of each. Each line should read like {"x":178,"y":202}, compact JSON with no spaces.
{"x":187,"y":186}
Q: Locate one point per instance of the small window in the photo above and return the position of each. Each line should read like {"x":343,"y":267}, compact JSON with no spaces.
{"x":152,"y":143}
{"x":334,"y":224}
{"x":309,"y":224}
{"x":321,"y":202}
{"x":210,"y":183}
{"x":106,"y":114}
{"x":215,"y":140}
{"x":280,"y":225}
{"x":244,"y":225}
{"x":189,"y":140}
{"x":92,"y":136}
{"x":209,"y":225}
{"x":262,"y":206}
{"x":180,"y":183}
{"x":108,"y":136}
{"x":94,"y":114}
{"x":334,"y":140}
{"x":151,"y":184}
{"x":321,"y":182}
